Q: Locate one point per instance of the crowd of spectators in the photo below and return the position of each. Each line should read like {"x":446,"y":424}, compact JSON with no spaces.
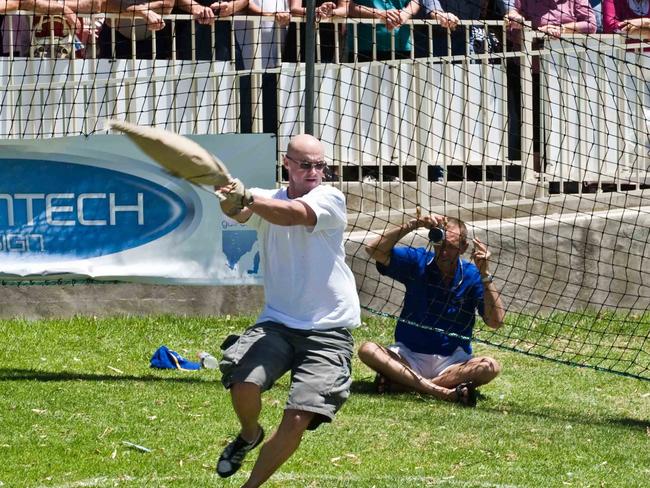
{"x":282,"y":37}
{"x":219,"y":32}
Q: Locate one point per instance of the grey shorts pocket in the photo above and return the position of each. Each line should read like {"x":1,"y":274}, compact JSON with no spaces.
{"x":237,"y":346}
{"x":229,"y":341}
{"x":260,"y":356}
{"x":340,"y":379}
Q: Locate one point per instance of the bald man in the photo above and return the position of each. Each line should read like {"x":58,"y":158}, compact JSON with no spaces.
{"x":311,"y":306}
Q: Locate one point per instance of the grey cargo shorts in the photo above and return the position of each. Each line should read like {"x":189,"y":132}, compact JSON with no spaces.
{"x":319,"y":360}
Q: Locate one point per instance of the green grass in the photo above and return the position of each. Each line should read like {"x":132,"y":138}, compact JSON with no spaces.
{"x":72,"y":391}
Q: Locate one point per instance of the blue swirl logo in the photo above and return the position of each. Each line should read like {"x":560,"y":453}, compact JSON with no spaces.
{"x":73,"y":211}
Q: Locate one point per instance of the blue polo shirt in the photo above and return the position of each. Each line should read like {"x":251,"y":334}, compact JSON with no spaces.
{"x":430,"y":302}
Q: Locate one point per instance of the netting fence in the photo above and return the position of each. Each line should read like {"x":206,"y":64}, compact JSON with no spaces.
{"x":541,"y":145}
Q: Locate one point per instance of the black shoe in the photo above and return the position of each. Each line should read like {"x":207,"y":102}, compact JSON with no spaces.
{"x":234,"y":453}
{"x":466,"y":394}
{"x":382,"y":384}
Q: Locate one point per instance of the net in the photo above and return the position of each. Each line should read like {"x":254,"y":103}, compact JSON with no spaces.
{"x":539,"y":143}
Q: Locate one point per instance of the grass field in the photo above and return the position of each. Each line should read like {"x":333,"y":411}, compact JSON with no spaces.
{"x":72,"y":392}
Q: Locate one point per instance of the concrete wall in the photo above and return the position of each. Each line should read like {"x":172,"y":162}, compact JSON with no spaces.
{"x":34,"y":302}
{"x":558,"y":262}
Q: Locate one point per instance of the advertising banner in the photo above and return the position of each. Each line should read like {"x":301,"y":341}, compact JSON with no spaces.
{"x":97,"y":207}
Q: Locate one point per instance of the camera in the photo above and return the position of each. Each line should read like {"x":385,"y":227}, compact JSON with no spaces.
{"x":436,"y":235}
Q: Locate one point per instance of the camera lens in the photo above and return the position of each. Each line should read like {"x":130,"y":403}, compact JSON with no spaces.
{"x":437,"y":235}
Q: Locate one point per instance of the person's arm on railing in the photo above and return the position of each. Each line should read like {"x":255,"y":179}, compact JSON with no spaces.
{"x":569,"y":28}
{"x":254,"y":9}
{"x":514,"y":18}
{"x":150,"y":12}
{"x":363,"y":12}
{"x":208,"y":14}
{"x":324,"y":10}
{"x":514,"y":21}
{"x":229,"y":8}
{"x":434,"y":11}
{"x":581,"y":27}
{"x":636,"y":28}
{"x":408,"y":12}
{"x":50,"y":7}
{"x":342,"y":8}
{"x":585,"y":20}
{"x":9,"y":6}
{"x":391,"y":18}
{"x":445,"y":19}
{"x":296,"y":8}
{"x":281,"y":17}
{"x":201,"y":13}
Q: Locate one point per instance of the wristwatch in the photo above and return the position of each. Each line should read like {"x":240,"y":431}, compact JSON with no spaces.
{"x":488,"y":278}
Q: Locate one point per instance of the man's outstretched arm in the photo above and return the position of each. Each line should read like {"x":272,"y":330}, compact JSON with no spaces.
{"x":239,"y":204}
{"x":283,"y":212}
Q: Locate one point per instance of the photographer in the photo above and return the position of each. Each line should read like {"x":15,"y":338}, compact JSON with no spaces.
{"x":432,"y":353}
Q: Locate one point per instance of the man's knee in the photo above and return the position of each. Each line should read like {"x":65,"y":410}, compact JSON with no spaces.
{"x":367,"y":351}
{"x":295,"y":422}
{"x":488,"y":368}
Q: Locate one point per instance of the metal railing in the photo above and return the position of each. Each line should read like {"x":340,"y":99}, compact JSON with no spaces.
{"x":441,"y":123}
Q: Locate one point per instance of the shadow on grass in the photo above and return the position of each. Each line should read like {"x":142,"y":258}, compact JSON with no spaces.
{"x":561,"y":415}
{"x":13,"y":374}
{"x":363,"y":387}
{"x":367,"y":387}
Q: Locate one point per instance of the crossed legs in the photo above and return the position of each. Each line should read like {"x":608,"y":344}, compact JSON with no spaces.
{"x":479,"y":371}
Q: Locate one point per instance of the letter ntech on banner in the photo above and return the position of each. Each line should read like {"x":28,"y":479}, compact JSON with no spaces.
{"x":98,"y":207}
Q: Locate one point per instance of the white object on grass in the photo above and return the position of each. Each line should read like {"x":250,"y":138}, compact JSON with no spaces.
{"x":136,"y":446}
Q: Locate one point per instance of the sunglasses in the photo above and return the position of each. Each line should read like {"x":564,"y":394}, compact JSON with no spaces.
{"x":306,"y":165}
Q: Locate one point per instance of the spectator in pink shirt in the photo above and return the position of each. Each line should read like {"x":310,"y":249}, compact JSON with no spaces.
{"x":554,"y":17}
{"x":629,"y":17}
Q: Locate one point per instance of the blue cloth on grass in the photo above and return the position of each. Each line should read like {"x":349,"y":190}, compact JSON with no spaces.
{"x":165,"y":358}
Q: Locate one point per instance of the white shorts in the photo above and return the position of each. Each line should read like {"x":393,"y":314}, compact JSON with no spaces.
{"x":429,"y":365}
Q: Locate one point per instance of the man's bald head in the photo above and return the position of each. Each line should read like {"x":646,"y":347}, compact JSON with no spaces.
{"x":305,"y":144}
{"x":305,"y":164}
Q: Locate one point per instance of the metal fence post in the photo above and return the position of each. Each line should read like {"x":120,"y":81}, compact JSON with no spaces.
{"x":310,"y":59}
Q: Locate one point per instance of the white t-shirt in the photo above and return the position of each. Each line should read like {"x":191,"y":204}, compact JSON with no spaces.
{"x":307,"y":283}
